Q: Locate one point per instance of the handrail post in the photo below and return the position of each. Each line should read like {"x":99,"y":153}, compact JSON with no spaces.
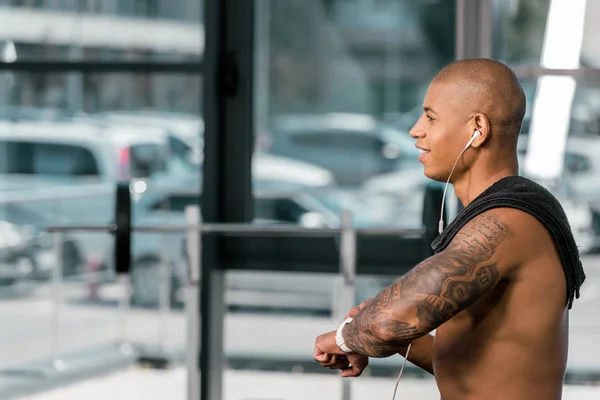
{"x":347,"y":289}
{"x":194,"y":252}
{"x":125,"y":347}
{"x":57,"y":279}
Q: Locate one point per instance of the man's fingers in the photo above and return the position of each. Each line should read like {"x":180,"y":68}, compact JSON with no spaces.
{"x":320,"y":356}
{"x":341,"y":365}
{"x":337,"y":362}
{"x":333,"y":360}
{"x":352,"y":371}
{"x":358,"y":365}
{"x":323,"y":358}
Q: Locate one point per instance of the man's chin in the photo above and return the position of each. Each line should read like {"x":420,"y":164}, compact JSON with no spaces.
{"x":435,"y":176}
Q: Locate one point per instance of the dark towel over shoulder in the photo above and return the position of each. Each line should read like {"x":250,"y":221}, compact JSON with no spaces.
{"x":528,"y":196}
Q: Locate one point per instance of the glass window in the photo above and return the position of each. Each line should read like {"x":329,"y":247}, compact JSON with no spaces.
{"x":281,"y":210}
{"x":176,"y":203}
{"x":62,"y":152}
{"x":102,"y":30}
{"x":316,"y":140}
{"x":149,"y":121}
{"x":568,"y":125}
{"x":339,"y":84}
{"x":266,"y":209}
{"x":39,"y":158}
{"x":520,"y":27}
{"x":133,"y":98}
{"x":338,"y":56}
{"x":582,"y":112}
{"x":535,"y":32}
{"x":576,"y":163}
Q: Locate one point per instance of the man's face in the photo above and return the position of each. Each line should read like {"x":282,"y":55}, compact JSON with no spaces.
{"x":442,"y":131}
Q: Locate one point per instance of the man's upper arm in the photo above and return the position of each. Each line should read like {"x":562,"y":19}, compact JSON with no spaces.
{"x":472,"y":264}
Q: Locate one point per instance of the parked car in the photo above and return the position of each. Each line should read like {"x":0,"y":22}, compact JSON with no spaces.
{"x":165,"y":205}
{"x":186,"y":127}
{"x":353,"y":147}
{"x":66,"y":171}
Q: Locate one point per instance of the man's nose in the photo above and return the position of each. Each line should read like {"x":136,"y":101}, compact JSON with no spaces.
{"x":417,"y":131}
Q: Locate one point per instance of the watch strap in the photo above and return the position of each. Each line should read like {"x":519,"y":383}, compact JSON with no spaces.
{"x":339,"y":339}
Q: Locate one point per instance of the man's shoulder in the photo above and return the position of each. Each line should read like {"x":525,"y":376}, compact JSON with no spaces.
{"x":524,"y":206}
{"x":524,"y":228}
{"x":522,"y":203}
{"x":513,"y":233}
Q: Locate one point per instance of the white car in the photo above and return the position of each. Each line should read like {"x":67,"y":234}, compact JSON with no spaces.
{"x":187,"y":127}
{"x":281,"y":187}
{"x":66,"y":171}
{"x":254,"y":290}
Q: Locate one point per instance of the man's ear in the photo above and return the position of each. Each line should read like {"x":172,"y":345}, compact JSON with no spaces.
{"x":481,"y":123}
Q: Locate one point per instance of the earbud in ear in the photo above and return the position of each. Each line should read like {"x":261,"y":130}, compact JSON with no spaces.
{"x":476,"y":134}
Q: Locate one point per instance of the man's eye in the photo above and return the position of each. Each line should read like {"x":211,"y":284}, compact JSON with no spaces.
{"x":429,"y":118}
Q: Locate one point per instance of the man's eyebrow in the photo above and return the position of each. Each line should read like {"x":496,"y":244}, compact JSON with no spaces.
{"x":429,"y":109}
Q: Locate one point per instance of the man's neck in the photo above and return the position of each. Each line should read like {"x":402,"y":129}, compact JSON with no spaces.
{"x":472,"y":184}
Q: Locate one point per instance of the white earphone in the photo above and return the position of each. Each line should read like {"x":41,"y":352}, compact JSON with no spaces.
{"x":476,"y":134}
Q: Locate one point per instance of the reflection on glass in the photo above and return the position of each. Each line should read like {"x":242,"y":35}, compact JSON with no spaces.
{"x":42,"y":96}
{"x":583,"y":117}
{"x":522,"y":28}
{"x":576,"y":185}
{"x":65,"y":141}
{"x":107,"y":30}
{"x":580,"y":169}
{"x":337,"y":94}
{"x":339,"y":84}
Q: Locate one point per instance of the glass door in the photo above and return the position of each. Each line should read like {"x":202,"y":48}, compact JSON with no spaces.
{"x":90,"y":97}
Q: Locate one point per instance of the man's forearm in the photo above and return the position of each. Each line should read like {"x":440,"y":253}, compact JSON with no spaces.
{"x":430,"y":294}
{"x":379,"y":330}
{"x":421,"y":353}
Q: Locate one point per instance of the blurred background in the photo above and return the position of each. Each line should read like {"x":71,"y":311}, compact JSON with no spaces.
{"x":307,"y":106}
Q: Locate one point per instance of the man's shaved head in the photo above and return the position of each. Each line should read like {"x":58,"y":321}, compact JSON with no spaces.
{"x":467,"y":96}
{"x":491,"y":88}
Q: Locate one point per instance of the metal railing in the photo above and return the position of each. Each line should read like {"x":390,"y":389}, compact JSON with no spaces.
{"x":344,"y":293}
{"x":234,"y":229}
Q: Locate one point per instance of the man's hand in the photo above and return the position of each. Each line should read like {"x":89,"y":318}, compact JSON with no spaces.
{"x":358,"y":363}
{"x":351,"y":364}
{"x":329,"y":355}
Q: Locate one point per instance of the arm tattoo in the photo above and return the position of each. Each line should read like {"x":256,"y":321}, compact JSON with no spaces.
{"x":431,"y":293}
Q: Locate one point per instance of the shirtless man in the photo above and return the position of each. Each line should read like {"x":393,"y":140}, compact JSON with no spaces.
{"x":497,"y":295}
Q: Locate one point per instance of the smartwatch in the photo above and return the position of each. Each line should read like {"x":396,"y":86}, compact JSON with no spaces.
{"x":339,"y":339}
